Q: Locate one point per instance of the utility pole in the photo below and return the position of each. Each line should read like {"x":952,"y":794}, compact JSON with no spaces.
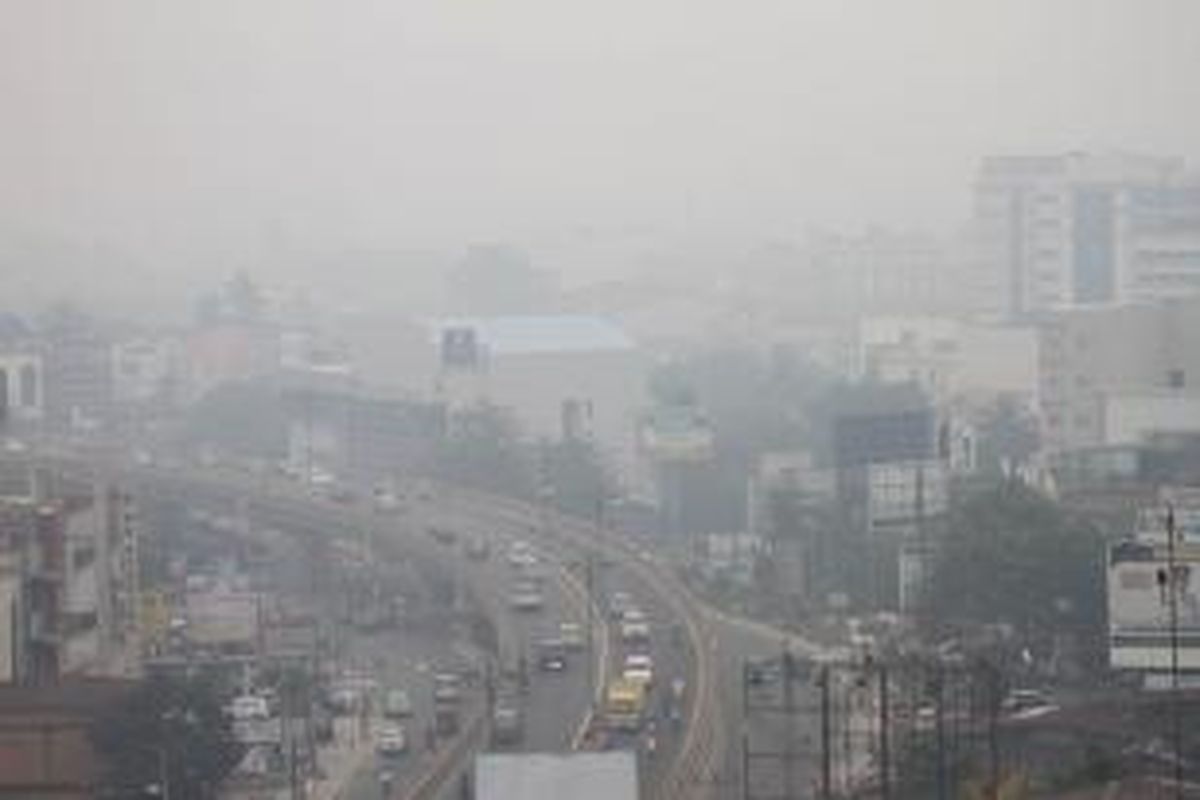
{"x":164,"y":775}
{"x":885,"y":755}
{"x":940,"y":710}
{"x":784,"y":751}
{"x":826,"y":735}
{"x":789,"y":710}
{"x":745,"y":730}
{"x":589,"y":602}
{"x":993,"y":700}
{"x":1173,"y":610}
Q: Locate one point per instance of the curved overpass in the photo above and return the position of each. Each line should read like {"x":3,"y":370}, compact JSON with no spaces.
{"x":688,"y":770}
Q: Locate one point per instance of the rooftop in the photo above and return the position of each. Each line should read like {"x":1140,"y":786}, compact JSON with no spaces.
{"x":579,"y":776}
{"x":529,"y":335}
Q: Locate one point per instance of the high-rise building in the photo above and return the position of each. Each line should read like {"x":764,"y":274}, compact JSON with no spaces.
{"x":1078,"y":229}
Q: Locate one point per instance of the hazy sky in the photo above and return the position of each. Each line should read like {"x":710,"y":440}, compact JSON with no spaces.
{"x":165,"y":126}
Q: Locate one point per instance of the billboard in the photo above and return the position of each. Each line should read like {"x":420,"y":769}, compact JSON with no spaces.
{"x":1139,"y":605}
{"x":222,"y":617}
{"x":679,"y":435}
{"x":460,"y":348}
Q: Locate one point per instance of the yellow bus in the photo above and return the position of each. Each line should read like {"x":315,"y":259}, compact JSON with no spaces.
{"x":624,"y":704}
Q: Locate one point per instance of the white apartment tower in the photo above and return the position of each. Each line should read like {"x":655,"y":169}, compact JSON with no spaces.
{"x":1081,"y":229}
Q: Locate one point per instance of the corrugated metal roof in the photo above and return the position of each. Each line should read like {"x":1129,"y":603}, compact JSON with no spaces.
{"x":578,"y":776}
{"x":525,"y":335}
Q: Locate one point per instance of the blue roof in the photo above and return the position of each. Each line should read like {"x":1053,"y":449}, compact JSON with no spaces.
{"x":525,"y":335}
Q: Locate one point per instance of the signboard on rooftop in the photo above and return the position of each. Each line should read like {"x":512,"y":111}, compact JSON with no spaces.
{"x":677,"y":434}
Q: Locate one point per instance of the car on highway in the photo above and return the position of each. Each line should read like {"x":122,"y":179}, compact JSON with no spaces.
{"x":341,"y":699}
{"x":551,"y":655}
{"x":445,"y":721}
{"x":618,"y":604}
{"x":572,"y":636}
{"x":635,"y":627}
{"x":508,"y":724}
{"x":443,"y":536}
{"x":391,"y":741}
{"x":397,"y":704}
{"x":249,"y":707}
{"x":638,"y":667}
{"x":386,"y":501}
{"x":478,"y":548}
{"x":1023,"y":701}
{"x":526,"y":596}
{"x":447,"y":688}
{"x":762,"y":673}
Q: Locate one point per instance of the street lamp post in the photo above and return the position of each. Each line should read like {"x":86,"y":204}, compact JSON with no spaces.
{"x":1171,"y":583}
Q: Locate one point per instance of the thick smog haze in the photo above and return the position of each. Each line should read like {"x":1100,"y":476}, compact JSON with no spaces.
{"x":235,"y":133}
{"x":665,"y":399}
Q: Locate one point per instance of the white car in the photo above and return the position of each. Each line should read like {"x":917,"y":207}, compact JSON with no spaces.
{"x":248,"y":707}
{"x":391,"y":741}
{"x":521,"y":557}
{"x":638,"y":667}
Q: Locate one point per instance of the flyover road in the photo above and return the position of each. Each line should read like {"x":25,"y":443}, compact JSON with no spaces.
{"x":692,"y":766}
{"x":692,"y":762}
{"x":553,"y":722}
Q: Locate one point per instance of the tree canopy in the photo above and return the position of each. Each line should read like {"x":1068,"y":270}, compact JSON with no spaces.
{"x":1011,"y":555}
{"x":166,"y":728}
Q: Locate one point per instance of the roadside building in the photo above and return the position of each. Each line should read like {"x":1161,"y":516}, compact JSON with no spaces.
{"x":148,"y":372}
{"x":564,"y":377}
{"x":68,"y":576}
{"x":373,"y":436}
{"x":1140,"y":586}
{"x":77,"y":378}
{"x":889,"y":449}
{"x":45,"y":745}
{"x":1113,"y":375}
{"x":225,"y":351}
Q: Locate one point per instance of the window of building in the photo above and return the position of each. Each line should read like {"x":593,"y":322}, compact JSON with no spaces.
{"x":29,"y":386}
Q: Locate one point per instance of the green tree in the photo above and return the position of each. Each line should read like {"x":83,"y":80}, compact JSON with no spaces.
{"x":1011,"y":555}
{"x":1008,"y":436}
{"x":481,"y":447}
{"x":167,"y":729}
{"x":576,"y":475}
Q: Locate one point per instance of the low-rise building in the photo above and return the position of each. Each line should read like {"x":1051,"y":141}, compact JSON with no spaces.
{"x":564,"y":377}
{"x":68,"y":581}
{"x":1145,"y":626}
{"x":1112,"y":375}
{"x":45,"y":742}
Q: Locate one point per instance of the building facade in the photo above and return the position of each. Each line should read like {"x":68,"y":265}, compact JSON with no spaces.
{"x":1115,"y":374}
{"x":68,"y":580}
{"x":1072,"y":229}
{"x":563,"y":377}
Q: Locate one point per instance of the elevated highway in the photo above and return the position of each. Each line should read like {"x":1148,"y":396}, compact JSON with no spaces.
{"x":689,"y":766}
